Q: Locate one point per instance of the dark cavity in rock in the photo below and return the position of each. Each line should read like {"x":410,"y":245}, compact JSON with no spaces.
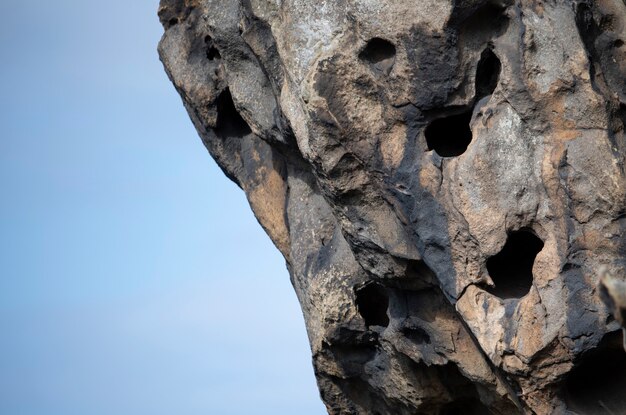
{"x":416,"y":335}
{"x":450,"y":136}
{"x":211,"y":51}
{"x":380,"y":54}
{"x":229,"y":122}
{"x":511,"y":270}
{"x":597,"y":385}
{"x":487,"y":74}
{"x":372,"y":302}
{"x":621,"y":113}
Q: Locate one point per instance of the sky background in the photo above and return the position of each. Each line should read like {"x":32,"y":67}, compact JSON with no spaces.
{"x":134,"y":278}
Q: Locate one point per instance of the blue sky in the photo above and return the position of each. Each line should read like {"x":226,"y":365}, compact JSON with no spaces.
{"x":134,"y":278}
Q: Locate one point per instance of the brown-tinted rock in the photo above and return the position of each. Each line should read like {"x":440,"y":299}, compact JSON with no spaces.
{"x":445,"y":180}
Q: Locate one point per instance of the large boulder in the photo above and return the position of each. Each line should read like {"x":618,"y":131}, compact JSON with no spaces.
{"x":445,"y":179}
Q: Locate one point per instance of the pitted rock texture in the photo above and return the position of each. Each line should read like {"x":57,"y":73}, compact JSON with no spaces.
{"x":445,"y":179}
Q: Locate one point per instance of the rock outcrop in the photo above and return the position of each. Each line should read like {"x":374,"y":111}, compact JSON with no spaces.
{"x":445,"y":179}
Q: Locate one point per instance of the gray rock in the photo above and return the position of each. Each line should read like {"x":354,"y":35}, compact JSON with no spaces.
{"x":445,"y":180}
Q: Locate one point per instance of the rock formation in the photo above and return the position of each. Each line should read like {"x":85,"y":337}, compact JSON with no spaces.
{"x":445,"y":179}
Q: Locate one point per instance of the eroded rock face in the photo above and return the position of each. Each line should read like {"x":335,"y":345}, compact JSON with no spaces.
{"x":444,"y":179}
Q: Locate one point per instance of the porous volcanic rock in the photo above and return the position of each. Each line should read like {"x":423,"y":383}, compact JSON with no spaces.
{"x":445,"y":179}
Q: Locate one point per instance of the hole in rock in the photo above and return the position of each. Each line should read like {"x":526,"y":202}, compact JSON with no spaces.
{"x":622,"y":114}
{"x":380,"y":54}
{"x":585,"y":22}
{"x":597,"y":384}
{"x":372,"y":302}
{"x":450,"y":136}
{"x":229,"y":122}
{"x":618,"y":43}
{"x":173,"y":21}
{"x":470,"y":406}
{"x":487,"y":74}
{"x":416,"y":335}
{"x":211,"y":51}
{"x":511,"y":270}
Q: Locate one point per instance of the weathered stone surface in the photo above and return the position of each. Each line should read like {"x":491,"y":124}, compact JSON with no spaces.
{"x":445,"y":180}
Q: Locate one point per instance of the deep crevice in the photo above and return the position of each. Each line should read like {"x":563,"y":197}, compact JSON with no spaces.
{"x":597,"y":384}
{"x":229,"y":121}
{"x":487,"y":74}
{"x":511,"y":270}
{"x":621,"y":113}
{"x":372,"y":302}
{"x":380,"y":54}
